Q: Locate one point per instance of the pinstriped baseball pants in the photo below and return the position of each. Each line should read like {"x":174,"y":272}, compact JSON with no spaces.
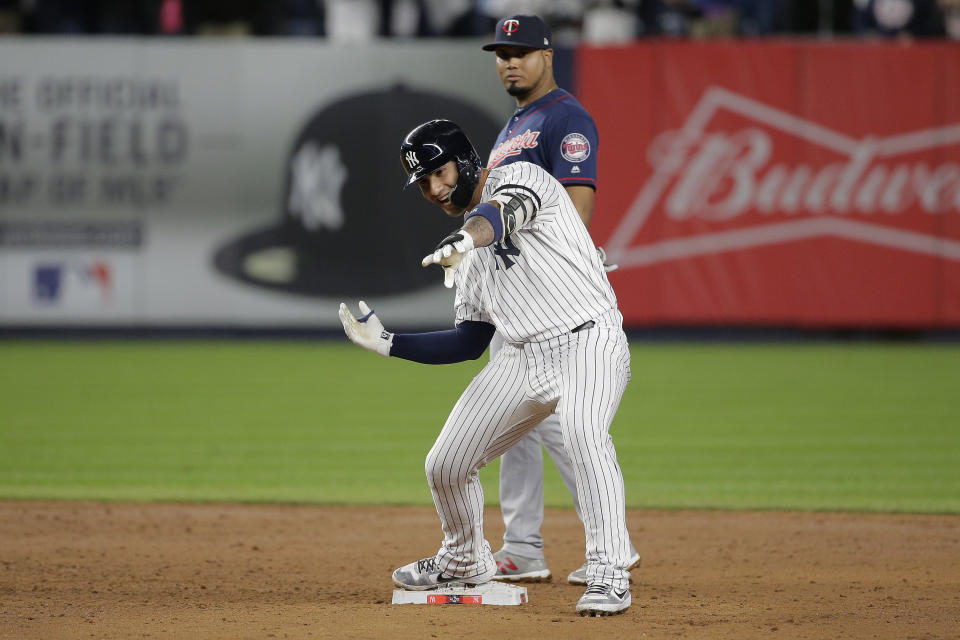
{"x":583,"y":375}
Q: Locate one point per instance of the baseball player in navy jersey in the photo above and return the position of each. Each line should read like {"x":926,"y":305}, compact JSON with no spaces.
{"x":523,"y":264}
{"x":550,"y":129}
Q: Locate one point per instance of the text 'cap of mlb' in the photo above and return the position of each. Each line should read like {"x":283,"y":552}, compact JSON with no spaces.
{"x":521,"y":30}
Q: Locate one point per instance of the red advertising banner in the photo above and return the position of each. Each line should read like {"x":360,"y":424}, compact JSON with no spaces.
{"x":794,"y":184}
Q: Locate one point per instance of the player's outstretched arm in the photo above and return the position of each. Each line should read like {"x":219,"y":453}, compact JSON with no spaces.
{"x":366,"y":331}
{"x":449,"y":253}
{"x":467,"y":342}
{"x":486,"y":223}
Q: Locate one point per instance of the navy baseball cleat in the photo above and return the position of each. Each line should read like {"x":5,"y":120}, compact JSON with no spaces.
{"x":423,"y":575}
{"x":603,"y":600}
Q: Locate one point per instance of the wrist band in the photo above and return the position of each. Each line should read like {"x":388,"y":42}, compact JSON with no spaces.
{"x":492,"y":214}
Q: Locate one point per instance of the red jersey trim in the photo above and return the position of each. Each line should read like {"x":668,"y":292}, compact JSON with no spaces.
{"x":589,"y":181}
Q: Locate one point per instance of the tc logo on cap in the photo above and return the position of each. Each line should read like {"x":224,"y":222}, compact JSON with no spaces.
{"x":520,"y":30}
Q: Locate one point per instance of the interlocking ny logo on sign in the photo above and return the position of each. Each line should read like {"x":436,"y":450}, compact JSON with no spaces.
{"x":718,"y":177}
{"x":412,"y":160}
{"x":511,"y":26}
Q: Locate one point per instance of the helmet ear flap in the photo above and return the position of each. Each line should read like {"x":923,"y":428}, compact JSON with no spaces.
{"x":466,"y":183}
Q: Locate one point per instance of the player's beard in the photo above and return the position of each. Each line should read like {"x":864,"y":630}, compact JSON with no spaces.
{"x":518,"y":92}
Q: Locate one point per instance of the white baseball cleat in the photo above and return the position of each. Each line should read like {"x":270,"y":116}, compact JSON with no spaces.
{"x":603,"y":600}
{"x":580,"y":575}
{"x":423,"y":575}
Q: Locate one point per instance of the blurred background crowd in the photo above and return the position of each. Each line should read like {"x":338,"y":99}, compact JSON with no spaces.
{"x":574,"y":21}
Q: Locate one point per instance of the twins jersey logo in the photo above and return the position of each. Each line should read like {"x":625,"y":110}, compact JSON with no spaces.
{"x":515,"y":146}
{"x":575,"y":147}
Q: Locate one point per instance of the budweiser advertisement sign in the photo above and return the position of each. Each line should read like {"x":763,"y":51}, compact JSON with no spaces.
{"x":795,"y":184}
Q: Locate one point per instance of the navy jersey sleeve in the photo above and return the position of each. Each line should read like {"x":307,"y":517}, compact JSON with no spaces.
{"x":573,"y":150}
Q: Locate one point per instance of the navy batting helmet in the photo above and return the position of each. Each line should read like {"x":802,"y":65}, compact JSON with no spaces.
{"x":432,"y":145}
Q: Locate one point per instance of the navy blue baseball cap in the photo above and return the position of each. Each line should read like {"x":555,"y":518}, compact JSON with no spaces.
{"x":521,"y":30}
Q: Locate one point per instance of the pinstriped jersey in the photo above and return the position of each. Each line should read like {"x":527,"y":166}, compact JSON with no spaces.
{"x":542,"y":280}
{"x":555,"y":132}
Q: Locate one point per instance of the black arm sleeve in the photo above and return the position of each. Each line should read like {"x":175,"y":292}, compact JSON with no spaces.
{"x":467,"y":342}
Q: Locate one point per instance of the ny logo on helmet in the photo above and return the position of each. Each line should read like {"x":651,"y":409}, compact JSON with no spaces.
{"x":510,"y":26}
{"x":412,"y":160}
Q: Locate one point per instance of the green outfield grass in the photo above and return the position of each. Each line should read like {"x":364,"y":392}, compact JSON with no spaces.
{"x":808,"y":426}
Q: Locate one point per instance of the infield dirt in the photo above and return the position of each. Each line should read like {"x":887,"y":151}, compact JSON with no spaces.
{"x":92,"y":570}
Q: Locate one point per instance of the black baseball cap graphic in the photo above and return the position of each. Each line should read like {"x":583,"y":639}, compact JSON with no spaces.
{"x":346,"y":227}
{"x":521,"y":30}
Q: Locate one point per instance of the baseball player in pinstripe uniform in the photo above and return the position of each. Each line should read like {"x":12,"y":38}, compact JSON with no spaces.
{"x":550,"y":129}
{"x":524,"y":265}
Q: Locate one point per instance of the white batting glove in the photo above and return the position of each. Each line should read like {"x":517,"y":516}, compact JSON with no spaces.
{"x":603,"y":260}
{"x":367,"y":331}
{"x":449,"y":253}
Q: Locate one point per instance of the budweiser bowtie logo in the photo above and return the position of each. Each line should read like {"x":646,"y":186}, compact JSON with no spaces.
{"x":765,"y":176}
